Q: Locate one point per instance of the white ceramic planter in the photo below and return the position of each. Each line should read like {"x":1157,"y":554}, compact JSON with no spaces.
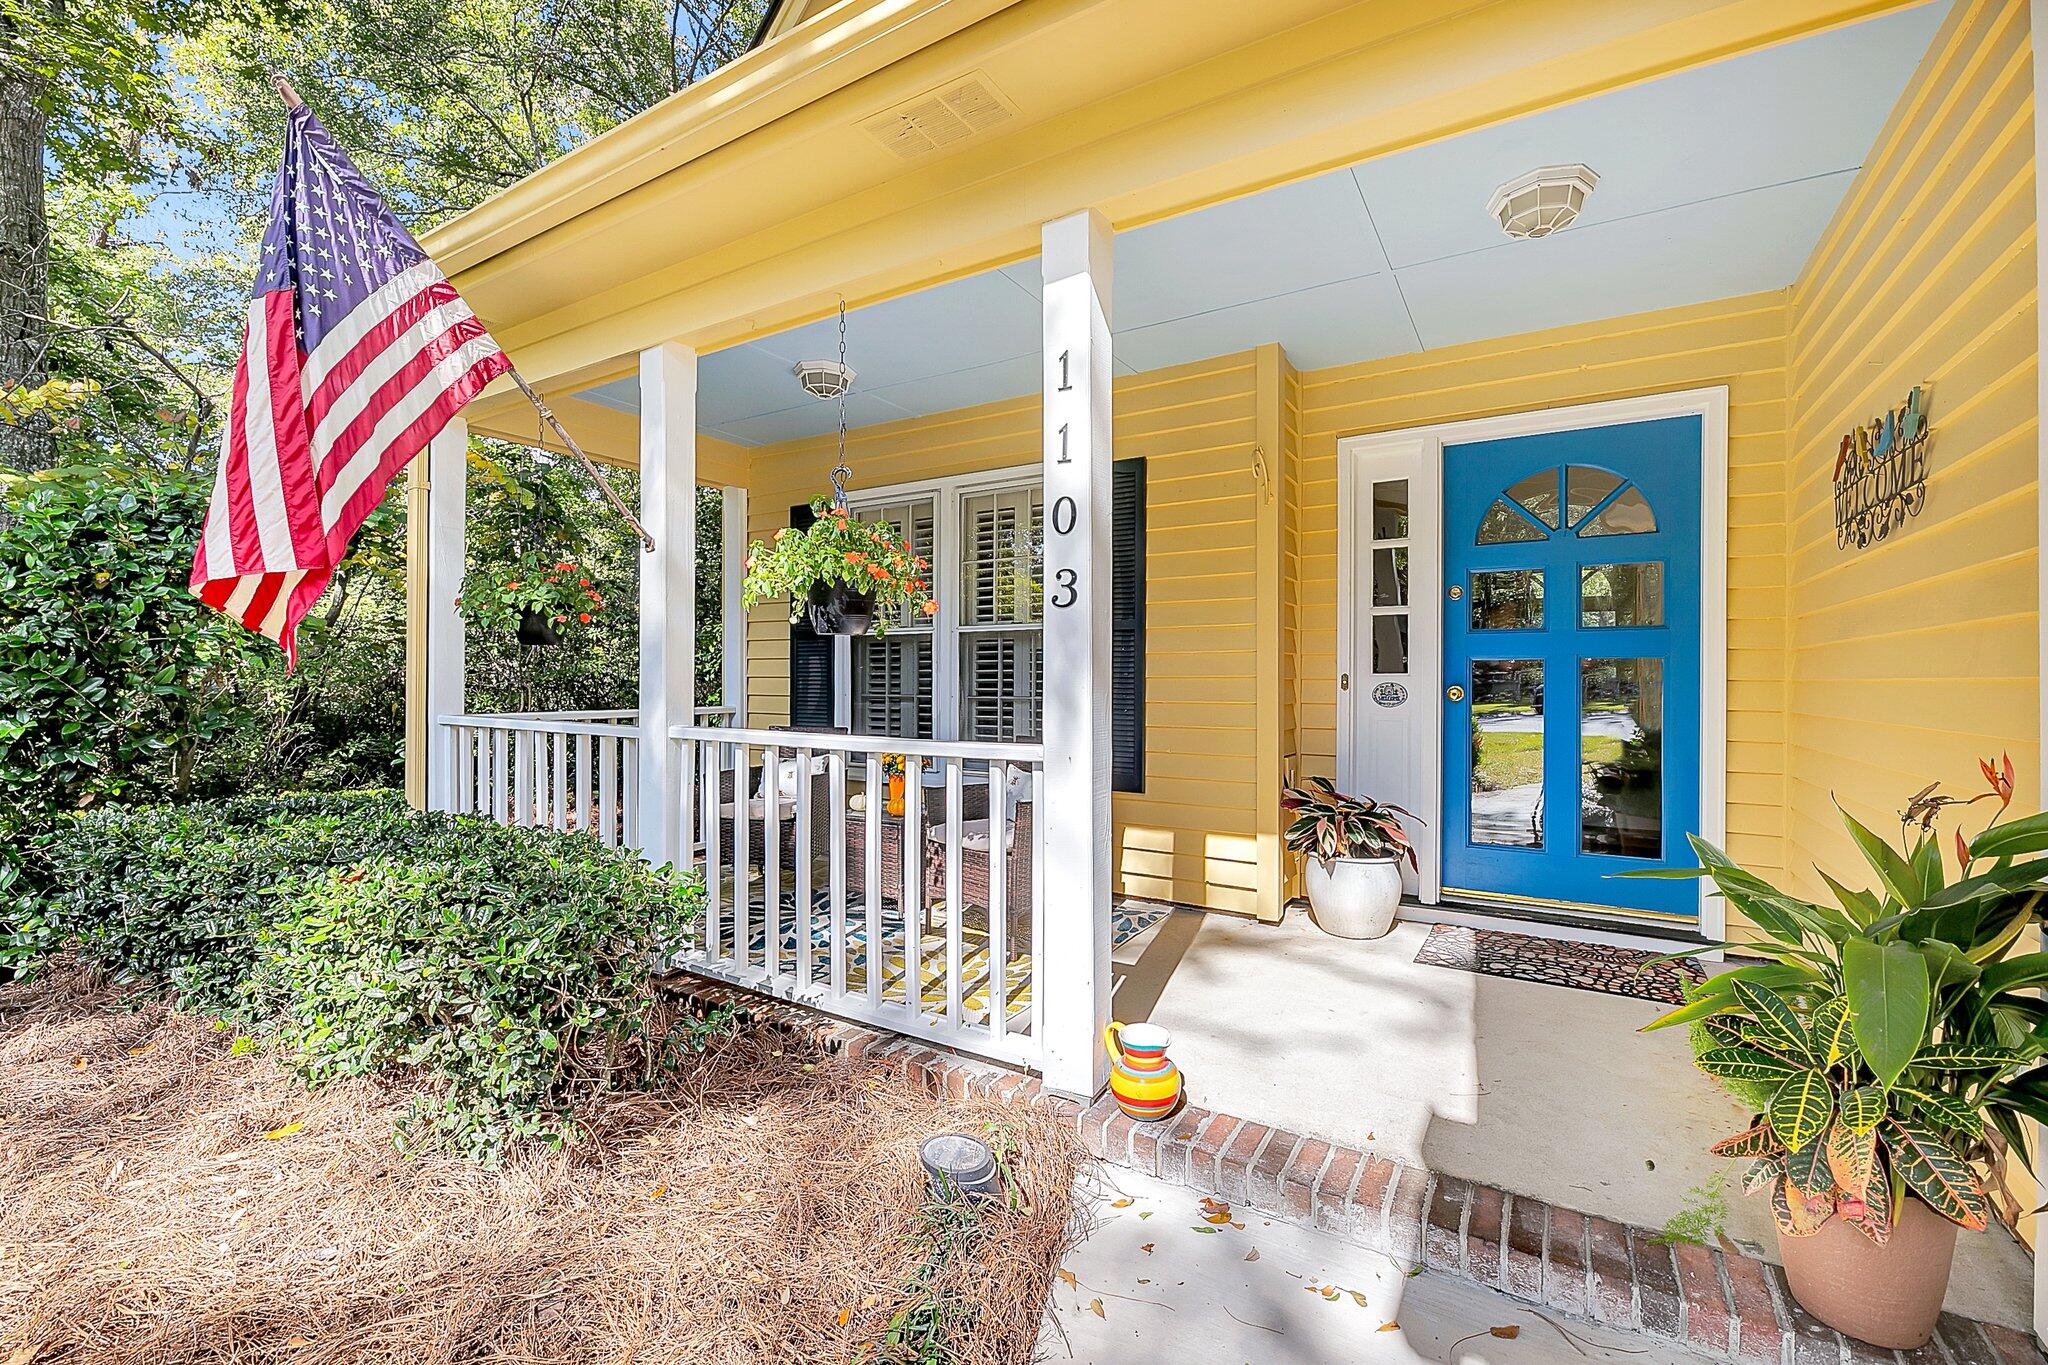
{"x":1354,"y":897}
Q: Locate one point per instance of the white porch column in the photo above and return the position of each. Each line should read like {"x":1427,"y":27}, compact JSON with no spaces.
{"x":732,"y":686}
{"x":668,"y":574}
{"x":2038,"y":21}
{"x":1073,"y":965}
{"x":447,"y":549}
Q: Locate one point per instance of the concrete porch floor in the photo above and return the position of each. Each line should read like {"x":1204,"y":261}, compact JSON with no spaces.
{"x":1539,"y":1089}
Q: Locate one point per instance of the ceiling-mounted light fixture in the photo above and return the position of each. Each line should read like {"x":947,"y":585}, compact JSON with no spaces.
{"x":1544,"y":201}
{"x":824,"y":378}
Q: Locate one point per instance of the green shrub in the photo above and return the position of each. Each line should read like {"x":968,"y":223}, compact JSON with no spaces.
{"x":510,"y":965}
{"x":178,"y":894}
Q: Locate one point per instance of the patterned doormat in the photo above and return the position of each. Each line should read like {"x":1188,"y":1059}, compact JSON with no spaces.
{"x":1554,"y":962}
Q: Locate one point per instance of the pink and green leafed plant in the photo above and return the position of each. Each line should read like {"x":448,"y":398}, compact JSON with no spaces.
{"x":1328,"y":824}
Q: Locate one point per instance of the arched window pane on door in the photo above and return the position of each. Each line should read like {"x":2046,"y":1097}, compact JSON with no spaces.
{"x":1503,"y":525}
{"x":1628,"y":514}
{"x":1585,"y":488}
{"x":1537,"y":493}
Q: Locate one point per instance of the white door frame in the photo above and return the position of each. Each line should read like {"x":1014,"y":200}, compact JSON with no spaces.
{"x":1394,"y":749}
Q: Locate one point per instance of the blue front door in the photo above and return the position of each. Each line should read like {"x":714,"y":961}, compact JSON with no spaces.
{"x":1572,"y":665}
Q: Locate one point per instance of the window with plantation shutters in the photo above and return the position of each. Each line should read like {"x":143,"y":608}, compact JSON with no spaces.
{"x":1002,"y":645}
{"x":892,"y":673}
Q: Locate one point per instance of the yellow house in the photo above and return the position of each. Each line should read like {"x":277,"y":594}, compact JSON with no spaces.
{"x":1471,"y":403}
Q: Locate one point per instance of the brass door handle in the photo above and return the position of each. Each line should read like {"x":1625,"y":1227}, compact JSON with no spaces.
{"x":1454,"y":692}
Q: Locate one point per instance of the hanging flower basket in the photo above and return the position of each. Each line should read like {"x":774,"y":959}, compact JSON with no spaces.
{"x":540,"y":596}
{"x":848,"y":576}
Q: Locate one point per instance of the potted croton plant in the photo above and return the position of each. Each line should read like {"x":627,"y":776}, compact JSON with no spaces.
{"x":1891,"y":1046}
{"x":539,"y":596}
{"x":1354,"y":847}
{"x":846,"y":574}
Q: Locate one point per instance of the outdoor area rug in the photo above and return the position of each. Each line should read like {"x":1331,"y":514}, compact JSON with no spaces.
{"x":1552,"y":962}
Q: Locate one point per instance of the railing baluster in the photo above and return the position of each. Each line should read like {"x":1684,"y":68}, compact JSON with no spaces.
{"x":742,"y":859}
{"x":608,"y":791}
{"x":771,"y":859}
{"x":956,"y":917}
{"x":998,"y":911}
{"x":836,"y":873}
{"x":501,"y":779}
{"x":913,"y":881}
{"x":806,"y":963}
{"x":561,"y":794}
{"x":877,"y":803}
{"x":582,"y":820}
{"x":629,"y":789}
{"x":709,"y":809}
{"x":1038,"y":823}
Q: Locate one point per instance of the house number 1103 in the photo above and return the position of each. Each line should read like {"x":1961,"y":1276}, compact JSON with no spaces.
{"x":1065,"y":511}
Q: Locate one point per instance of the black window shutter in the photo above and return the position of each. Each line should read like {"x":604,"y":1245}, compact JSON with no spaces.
{"x":1127,"y":627}
{"x":811,"y":684}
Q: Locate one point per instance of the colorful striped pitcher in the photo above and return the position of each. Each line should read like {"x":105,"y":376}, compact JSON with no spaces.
{"x":1146,"y":1084}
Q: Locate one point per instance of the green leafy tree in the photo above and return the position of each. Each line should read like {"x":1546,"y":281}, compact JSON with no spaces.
{"x":111,"y":672}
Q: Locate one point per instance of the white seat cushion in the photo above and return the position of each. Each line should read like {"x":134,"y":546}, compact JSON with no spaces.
{"x":757,"y":809}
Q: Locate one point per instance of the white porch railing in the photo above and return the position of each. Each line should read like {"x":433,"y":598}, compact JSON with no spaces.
{"x":924,"y":919}
{"x":564,"y":770}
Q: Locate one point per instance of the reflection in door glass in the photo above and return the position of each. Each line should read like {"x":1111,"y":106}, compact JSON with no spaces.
{"x":1621,"y":748}
{"x":1507,"y":599}
{"x":1621,"y":595}
{"x":1507,"y":752}
{"x":1390,"y":643}
{"x":1390,"y":577}
{"x":1390,"y":509}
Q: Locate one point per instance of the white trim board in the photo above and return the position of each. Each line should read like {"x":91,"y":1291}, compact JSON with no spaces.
{"x":1396,"y":753}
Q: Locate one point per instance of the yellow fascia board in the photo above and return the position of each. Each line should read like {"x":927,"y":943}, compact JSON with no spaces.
{"x":1321,"y":85}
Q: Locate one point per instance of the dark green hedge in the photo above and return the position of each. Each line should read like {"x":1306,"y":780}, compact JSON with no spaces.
{"x":361,"y":936}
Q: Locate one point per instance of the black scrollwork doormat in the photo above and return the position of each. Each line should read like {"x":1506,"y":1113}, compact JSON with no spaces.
{"x":1552,"y":962}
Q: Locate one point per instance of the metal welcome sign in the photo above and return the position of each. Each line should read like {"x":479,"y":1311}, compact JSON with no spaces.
{"x":1881,"y":473}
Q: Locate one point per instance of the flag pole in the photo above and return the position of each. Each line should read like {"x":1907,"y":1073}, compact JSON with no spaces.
{"x":292,"y":101}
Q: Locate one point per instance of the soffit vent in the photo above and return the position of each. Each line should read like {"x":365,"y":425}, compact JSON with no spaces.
{"x":941,"y":118}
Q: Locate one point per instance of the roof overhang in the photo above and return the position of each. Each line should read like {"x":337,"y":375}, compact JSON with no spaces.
{"x":754,"y":200}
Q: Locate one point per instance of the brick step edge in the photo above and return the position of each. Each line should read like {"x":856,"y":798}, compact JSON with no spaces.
{"x":1714,"y":1301}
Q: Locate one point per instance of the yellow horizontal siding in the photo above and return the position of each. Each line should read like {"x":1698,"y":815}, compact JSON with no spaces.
{"x":1909,"y":659}
{"x":1189,"y":836}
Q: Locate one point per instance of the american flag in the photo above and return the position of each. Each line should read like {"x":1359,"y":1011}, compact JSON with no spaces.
{"x":358,"y":352}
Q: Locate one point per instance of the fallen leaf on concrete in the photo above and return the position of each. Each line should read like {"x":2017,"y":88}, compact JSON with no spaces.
{"x":1144,"y":1214}
{"x":1357,"y":1295}
{"x":1147,"y":1248}
{"x":1095,"y":1307}
{"x":1201,"y":1229}
{"x":1123,"y":1203}
{"x":1212,"y":1207}
{"x":1508,"y":1333}
{"x":1067,"y":1278}
{"x":1390,"y":1327}
{"x":1219,"y":1219}
{"x":1252,"y":1255}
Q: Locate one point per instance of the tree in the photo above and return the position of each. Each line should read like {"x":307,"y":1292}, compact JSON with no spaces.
{"x":82,"y":86}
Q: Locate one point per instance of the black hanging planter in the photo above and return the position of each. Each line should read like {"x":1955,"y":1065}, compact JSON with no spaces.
{"x":535,"y":630}
{"x":836,"y":609}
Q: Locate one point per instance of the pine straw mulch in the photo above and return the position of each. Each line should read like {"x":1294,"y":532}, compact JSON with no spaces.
{"x":163,"y":1201}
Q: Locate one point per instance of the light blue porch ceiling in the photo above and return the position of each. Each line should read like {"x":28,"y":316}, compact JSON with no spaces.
{"x":1713,"y":182}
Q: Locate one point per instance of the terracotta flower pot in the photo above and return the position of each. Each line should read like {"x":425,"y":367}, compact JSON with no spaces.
{"x":1886,"y":1295}
{"x":836,"y":609}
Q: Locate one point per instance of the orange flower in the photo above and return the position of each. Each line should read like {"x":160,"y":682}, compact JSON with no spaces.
{"x":561,"y":620}
{"x":931,"y":608}
{"x":564,"y":566}
{"x":512,"y":586}
{"x":584,"y":582}
{"x":877,"y":571}
{"x":584,"y":617}
{"x":853,"y":556}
